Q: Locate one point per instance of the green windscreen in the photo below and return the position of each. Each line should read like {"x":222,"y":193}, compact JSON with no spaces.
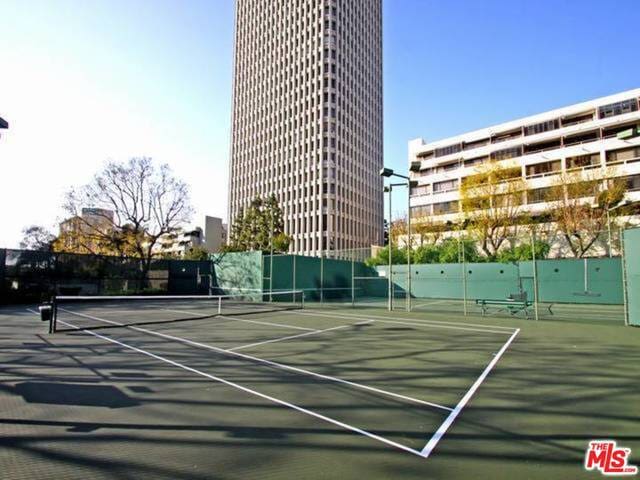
{"x":632,"y":274}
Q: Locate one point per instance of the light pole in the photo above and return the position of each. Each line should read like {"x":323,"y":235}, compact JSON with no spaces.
{"x":389,"y":189}
{"x":609,"y":210}
{"x":271,"y":259}
{"x":387,"y":172}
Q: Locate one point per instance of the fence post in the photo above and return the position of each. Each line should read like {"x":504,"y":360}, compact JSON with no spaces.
{"x":464,"y":274}
{"x":294,"y":274}
{"x":535,"y":276}
{"x":624,"y":278}
{"x":271,"y":277}
{"x":322,"y":278}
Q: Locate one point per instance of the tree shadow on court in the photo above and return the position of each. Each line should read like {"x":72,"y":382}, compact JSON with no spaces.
{"x":555,"y":389}
{"x":73,"y":394}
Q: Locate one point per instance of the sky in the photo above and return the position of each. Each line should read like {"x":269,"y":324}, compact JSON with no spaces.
{"x":82,"y":83}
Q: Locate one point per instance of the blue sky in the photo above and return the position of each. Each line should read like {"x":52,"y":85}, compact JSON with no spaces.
{"x":84,"y":82}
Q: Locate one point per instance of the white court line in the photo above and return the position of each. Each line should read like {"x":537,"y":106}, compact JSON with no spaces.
{"x":194,"y":314}
{"x":289,"y":337}
{"x":346,"y":316}
{"x":431,"y":444}
{"x":435,"y":302}
{"x":253,"y":392}
{"x":267,"y":362}
{"x":438,"y":322}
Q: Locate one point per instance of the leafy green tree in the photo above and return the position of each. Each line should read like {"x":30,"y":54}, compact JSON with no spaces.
{"x":398,"y":256}
{"x":524,"y":252}
{"x":258,"y":226}
{"x":426,"y":254}
{"x":450,"y":251}
{"x":196,"y":253}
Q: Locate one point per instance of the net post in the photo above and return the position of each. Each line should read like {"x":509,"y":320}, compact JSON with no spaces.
{"x":624,"y":278}
{"x":302,"y":293}
{"x":219,"y":305}
{"x":54,"y":315}
{"x":353,"y":289}
{"x":535,"y":275}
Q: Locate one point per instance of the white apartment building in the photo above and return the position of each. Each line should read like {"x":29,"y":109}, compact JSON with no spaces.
{"x":601,"y":136}
{"x":178,"y":243}
{"x":307,"y":118}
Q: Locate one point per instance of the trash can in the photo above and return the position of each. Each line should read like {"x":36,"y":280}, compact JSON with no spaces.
{"x":46,"y":315}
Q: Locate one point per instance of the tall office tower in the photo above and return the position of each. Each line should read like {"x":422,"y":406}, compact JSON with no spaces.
{"x":307,"y":118}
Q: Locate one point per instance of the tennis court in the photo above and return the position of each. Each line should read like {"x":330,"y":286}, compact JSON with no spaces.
{"x":167,"y":388}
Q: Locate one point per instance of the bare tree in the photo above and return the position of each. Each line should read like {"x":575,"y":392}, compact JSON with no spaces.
{"x":36,"y":237}
{"x":133,"y":205}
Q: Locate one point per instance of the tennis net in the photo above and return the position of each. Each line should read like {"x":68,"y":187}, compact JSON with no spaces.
{"x":96,"y":312}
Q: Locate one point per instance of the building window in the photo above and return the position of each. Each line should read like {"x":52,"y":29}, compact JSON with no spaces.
{"x":618,"y":108}
{"x":633,"y":183}
{"x":507,"y":153}
{"x":538,"y":195}
{"x":505,"y":136}
{"x":422,"y":211}
{"x":542,"y":146}
{"x":441,"y":152}
{"x":541,"y":127}
{"x":582,"y":138}
{"x":577,"y":119}
{"x":445,"y":207}
{"x":544,"y":169}
{"x":475,"y":161}
{"x":476,"y":143}
{"x":446,"y":186}
{"x":584,"y":161}
{"x":624,"y":155}
{"x":421,"y":190}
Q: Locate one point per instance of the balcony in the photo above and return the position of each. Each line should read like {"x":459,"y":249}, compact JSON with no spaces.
{"x":542,"y":146}
{"x":587,"y":137}
{"x":623,"y":156}
{"x":546,"y":169}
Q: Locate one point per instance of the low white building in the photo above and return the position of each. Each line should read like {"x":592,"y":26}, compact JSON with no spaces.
{"x":601,"y":136}
{"x":178,"y":243}
{"x":215,"y":234}
{"x":211,"y":239}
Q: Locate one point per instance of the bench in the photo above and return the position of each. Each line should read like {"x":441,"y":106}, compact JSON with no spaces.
{"x":511,"y":305}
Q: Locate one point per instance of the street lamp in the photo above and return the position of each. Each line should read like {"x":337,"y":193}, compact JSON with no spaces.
{"x":388,"y":172}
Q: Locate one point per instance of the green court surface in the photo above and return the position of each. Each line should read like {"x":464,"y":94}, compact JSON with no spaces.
{"x":314,"y":393}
